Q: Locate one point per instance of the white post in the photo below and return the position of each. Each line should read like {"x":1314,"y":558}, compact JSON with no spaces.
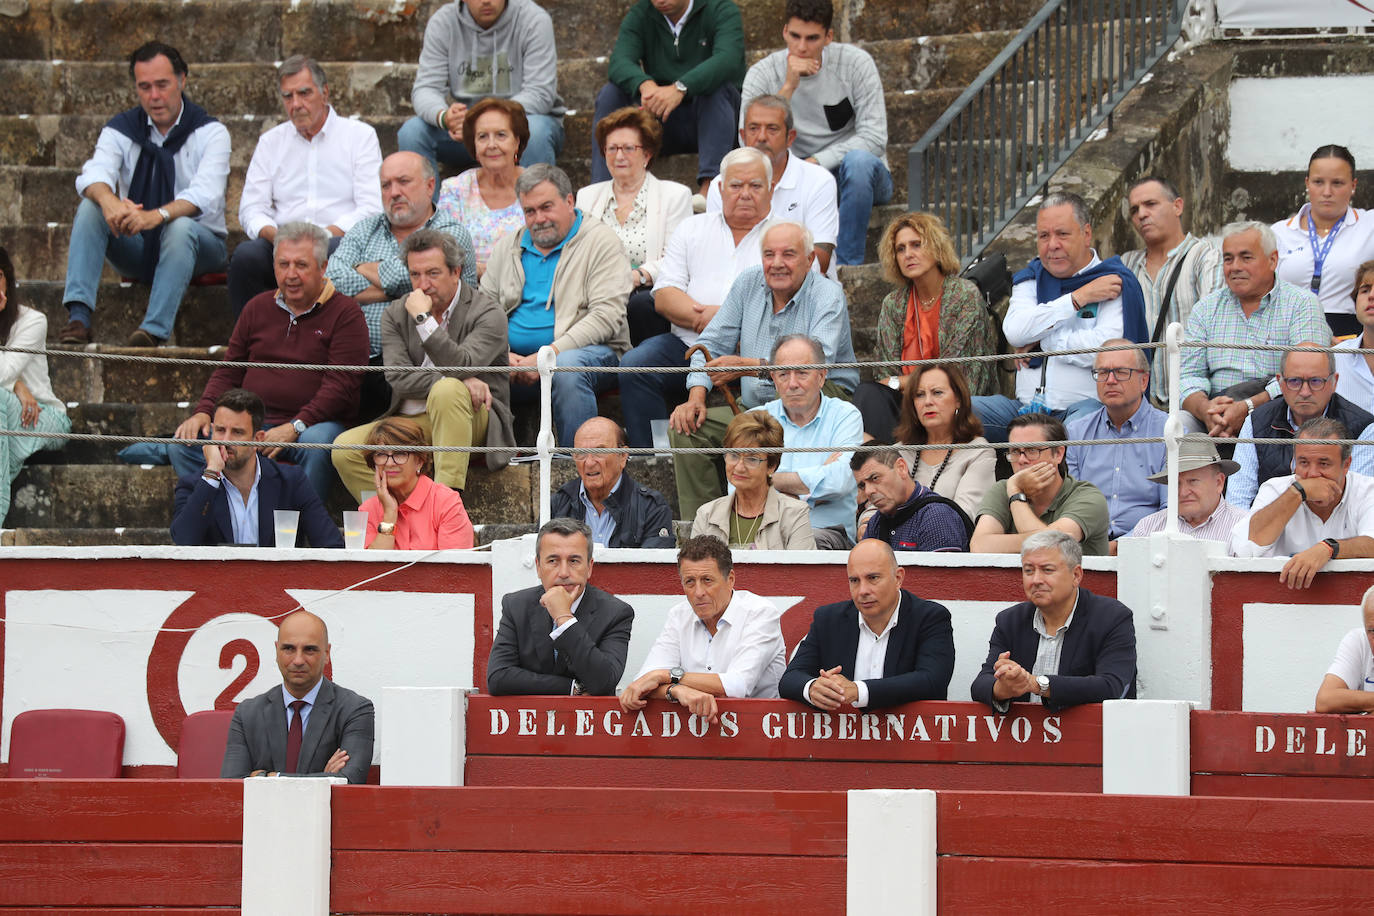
{"x":891,"y":852}
{"x":423,"y":735}
{"x":286,"y":840}
{"x":544,"y":444}
{"x":1145,"y":747}
{"x":1173,"y":427}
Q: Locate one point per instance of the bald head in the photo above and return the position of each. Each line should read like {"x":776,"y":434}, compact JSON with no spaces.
{"x":874,"y":550}
{"x":600,"y":472}
{"x":875,"y":582}
{"x":302,"y":652}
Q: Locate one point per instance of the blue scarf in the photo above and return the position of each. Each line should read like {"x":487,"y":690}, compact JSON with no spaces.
{"x":1048,"y":287}
{"x":153,"y":183}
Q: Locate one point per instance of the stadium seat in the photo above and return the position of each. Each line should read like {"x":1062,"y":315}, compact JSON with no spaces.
{"x":66,"y":743}
{"x":201,"y":750}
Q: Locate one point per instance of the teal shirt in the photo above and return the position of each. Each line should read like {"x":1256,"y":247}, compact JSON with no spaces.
{"x":531,"y":324}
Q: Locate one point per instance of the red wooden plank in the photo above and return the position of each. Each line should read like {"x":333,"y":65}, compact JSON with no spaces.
{"x":589,"y":820}
{"x":137,"y":911}
{"x":1330,"y":787}
{"x":99,"y":874}
{"x":1255,"y":831}
{"x":635,"y":883}
{"x":781,"y":730}
{"x":1290,"y":745}
{"x":120,"y":810}
{"x":971,"y":887}
{"x":776,"y":774}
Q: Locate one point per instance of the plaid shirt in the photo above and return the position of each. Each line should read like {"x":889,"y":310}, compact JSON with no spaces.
{"x":1287,"y":316}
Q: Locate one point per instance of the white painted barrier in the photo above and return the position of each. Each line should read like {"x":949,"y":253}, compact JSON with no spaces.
{"x":286,"y":845}
{"x":891,"y":855}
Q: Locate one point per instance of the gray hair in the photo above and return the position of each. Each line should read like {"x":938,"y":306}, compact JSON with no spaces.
{"x":774,"y":101}
{"x":1268,"y":241}
{"x":1307,"y":346}
{"x":298,"y":62}
{"x":563,"y":527}
{"x":1061,"y":198}
{"x":817,"y":351}
{"x":429,"y":240}
{"x":537,"y":174}
{"x":808,"y":239}
{"x":746,"y":155}
{"x":300,"y":230}
{"x":1325,"y":428}
{"x":1053,"y":539}
{"x":1142,"y":361}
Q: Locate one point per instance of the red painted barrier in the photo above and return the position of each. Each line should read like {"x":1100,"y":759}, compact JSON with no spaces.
{"x":1303,"y":756}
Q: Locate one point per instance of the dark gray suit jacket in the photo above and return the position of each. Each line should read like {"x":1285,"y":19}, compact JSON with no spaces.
{"x":339,"y":719}
{"x":592,"y":650}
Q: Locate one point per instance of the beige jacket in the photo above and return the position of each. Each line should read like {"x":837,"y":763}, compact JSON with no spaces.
{"x":667,"y":203}
{"x":590,"y":286}
{"x":786,"y":522}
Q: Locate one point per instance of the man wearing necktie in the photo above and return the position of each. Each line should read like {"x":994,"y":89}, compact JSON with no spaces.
{"x":309,"y":726}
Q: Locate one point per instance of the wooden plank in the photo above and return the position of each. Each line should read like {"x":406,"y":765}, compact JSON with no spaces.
{"x":971,"y":887}
{"x":129,"y":875}
{"x":1329,"y":787}
{"x":119,"y":810}
{"x":1252,"y":831}
{"x":776,"y":774}
{"x":589,"y":820}
{"x":635,"y":883}
{"x":115,"y":911}
{"x":1290,"y":745}
{"x":781,"y":730}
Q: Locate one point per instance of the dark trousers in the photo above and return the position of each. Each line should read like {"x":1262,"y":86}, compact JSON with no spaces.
{"x":707,"y":125}
{"x":250,"y":271}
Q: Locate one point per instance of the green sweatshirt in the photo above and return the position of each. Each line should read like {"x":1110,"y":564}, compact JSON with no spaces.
{"x":708,"y":53}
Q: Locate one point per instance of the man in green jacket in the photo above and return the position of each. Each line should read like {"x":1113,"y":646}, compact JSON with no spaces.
{"x":683,"y":61}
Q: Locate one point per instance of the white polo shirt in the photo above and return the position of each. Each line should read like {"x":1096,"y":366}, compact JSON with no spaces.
{"x":1352,"y":517}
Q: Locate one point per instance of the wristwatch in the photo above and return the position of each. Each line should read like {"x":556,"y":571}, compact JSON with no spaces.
{"x":386,"y":527}
{"x":1018,"y":498}
{"x":894,"y":383}
{"x":166,"y":216}
{"x":675,"y":675}
{"x":668,"y":694}
{"x":1335,"y":546}
{"x":1043,"y":683}
{"x":680,"y":86}
{"x":298,"y":426}
{"x":1302,"y":494}
{"x":420,"y":318}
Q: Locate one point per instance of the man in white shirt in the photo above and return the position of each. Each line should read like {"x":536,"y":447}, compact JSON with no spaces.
{"x":704,"y":256}
{"x":802,"y":191}
{"x":720,"y":642}
{"x":1067,"y":299}
{"x":1319,"y":513}
{"x":1349,"y":683}
{"x":152,"y":200}
{"x":315,"y":166}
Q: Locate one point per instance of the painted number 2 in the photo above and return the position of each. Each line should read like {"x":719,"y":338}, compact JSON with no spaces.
{"x":232,"y":650}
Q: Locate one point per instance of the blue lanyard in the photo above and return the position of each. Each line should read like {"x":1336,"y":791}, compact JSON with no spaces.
{"x":1319,"y":252}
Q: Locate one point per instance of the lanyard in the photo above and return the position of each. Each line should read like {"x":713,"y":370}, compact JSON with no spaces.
{"x":1319,"y":252}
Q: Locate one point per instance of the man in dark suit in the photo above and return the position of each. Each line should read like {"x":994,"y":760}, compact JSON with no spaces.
{"x":309,"y":726}
{"x":564,"y":636}
{"x":216,"y":506}
{"x":882,"y":648}
{"x":1063,"y":647}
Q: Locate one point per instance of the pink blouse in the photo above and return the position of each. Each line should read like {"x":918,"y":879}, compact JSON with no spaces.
{"x":431,"y":518}
{"x":461,"y":199}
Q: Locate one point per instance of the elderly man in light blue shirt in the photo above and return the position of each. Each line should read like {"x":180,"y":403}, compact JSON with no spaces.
{"x":809,"y":419}
{"x":1121,"y":470}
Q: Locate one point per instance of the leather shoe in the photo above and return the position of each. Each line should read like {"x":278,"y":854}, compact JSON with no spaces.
{"x":141,"y":338}
{"x":74,"y":332}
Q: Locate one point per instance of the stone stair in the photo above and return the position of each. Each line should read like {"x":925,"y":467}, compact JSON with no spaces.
{"x":63,"y":63}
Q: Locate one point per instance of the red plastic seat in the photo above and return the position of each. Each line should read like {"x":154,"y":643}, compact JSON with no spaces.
{"x":66,"y":743}
{"x":201,"y":750}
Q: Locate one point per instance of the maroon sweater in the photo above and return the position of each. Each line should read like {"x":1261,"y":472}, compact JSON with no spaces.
{"x":332,"y":333}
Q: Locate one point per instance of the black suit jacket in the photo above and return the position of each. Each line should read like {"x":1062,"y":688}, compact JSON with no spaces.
{"x":339,"y":719}
{"x":592,"y":651}
{"x":920,"y":653}
{"x":1097,"y":661}
{"x":201,"y":517}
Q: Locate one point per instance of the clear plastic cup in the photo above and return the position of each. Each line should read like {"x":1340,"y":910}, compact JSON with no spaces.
{"x":286,"y":521}
{"x":355,"y":530}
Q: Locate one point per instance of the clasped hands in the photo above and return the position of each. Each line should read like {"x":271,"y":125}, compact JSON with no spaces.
{"x":698,"y":702}
{"x":831,"y":689}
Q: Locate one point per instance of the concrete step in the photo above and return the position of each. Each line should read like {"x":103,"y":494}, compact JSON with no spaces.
{"x":84,"y":537}
{"x":202,"y":321}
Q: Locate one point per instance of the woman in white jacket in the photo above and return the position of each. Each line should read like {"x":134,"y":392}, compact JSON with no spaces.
{"x":27,"y":402}
{"x":642,"y":210}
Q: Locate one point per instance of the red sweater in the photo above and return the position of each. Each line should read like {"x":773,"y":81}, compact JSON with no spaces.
{"x":332,"y":333}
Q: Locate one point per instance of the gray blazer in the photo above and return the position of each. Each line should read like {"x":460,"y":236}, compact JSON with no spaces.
{"x":476,"y":336}
{"x":340,"y":719}
{"x":592,"y":651}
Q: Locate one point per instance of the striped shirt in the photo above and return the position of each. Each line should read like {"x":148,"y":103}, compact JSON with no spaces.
{"x":1051,"y":645}
{"x":1200,"y":275}
{"x":1216,"y":527}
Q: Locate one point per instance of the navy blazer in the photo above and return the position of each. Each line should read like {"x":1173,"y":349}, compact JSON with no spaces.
{"x":1097,"y":662}
{"x":339,"y":719}
{"x":201,"y":516}
{"x":920,"y":653}
{"x":592,"y":651}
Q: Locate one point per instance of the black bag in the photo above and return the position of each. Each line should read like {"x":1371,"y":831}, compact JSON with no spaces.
{"x":990,"y":274}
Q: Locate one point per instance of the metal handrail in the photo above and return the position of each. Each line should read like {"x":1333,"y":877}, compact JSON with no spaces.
{"x":1031,"y":108}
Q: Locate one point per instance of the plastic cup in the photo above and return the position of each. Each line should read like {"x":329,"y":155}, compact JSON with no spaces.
{"x":286,"y":521}
{"x":355,"y":530}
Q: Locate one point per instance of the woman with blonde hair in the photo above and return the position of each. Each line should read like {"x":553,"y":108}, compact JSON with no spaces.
{"x":756,"y":515}
{"x":410,"y":510}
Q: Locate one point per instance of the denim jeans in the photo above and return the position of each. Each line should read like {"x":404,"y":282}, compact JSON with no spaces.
{"x":434,"y":143}
{"x":862,"y":181}
{"x":574,"y":393}
{"x":644,"y":396}
{"x":319,"y":470}
{"x":188,"y":249}
{"x":707,"y":125}
{"x":996,"y":411}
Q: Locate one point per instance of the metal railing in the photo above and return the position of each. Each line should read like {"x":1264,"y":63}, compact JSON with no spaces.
{"x":1031,"y":108}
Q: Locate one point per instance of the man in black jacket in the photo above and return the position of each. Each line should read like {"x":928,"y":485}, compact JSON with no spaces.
{"x":620,"y":512}
{"x":883,"y":647}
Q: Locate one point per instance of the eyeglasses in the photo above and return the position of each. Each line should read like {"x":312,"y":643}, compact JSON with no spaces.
{"x":391,"y":457}
{"x":752,"y":462}
{"x":1295,"y":383}
{"x":628,"y":148}
{"x":1030,"y":452}
{"x":1121,"y":375}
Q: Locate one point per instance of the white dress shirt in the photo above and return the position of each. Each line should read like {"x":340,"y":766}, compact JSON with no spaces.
{"x":747,"y":652}
{"x":330,"y":179}
{"x":1352,"y":517}
{"x":870,"y":657}
{"x":1356,"y":382}
{"x":703,"y":260}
